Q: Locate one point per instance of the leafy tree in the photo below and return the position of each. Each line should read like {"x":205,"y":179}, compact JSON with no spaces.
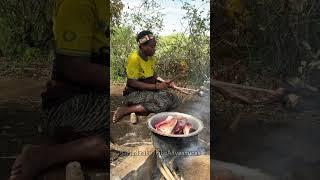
{"x":190,"y":48}
{"x":116,"y":7}
{"x":148,"y":16}
{"x":122,"y":43}
{"x":25,"y":24}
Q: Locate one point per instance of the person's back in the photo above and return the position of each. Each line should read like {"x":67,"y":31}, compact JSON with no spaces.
{"x":79,"y":74}
{"x":80,"y":31}
{"x":75,"y":103}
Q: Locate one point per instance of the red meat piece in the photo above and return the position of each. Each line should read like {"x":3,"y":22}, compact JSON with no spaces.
{"x":187,"y":127}
{"x":164,"y":121}
{"x":178,"y":129}
{"x":167,"y":125}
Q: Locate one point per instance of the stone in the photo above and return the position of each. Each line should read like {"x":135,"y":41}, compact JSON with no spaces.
{"x":138,"y":165}
{"x":74,"y":171}
{"x":230,"y":171}
{"x":195,"y":167}
{"x":133,"y":118}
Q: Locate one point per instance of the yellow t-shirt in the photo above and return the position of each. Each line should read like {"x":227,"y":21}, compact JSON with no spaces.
{"x":80,"y":27}
{"x":137,"y":68}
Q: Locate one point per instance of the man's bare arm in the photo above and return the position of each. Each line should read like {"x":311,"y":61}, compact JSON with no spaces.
{"x":81,"y":71}
{"x":145,"y":86}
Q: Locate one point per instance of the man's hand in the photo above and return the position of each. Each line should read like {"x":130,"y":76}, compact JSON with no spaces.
{"x":162,"y":85}
{"x":172,"y":85}
{"x":165,"y":81}
{"x":160,"y":79}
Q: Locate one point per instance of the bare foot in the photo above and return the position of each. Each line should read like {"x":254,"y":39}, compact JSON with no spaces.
{"x":27,"y":165}
{"x":118,"y":114}
{"x":16,"y":167}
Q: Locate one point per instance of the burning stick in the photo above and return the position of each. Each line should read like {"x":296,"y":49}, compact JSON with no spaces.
{"x":163,"y":172}
{"x":181,"y":90}
{"x":171,"y":167}
{"x":168,"y":171}
{"x":175,"y":175}
{"x":185,"y":90}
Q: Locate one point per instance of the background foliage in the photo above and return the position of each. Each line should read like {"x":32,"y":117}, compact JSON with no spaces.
{"x":274,"y":39}
{"x":25,"y":28}
{"x":271,"y":38}
{"x":190,"y":47}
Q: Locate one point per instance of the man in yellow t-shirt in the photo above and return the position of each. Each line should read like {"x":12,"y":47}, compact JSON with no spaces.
{"x":81,"y":28}
{"x":75,"y":103}
{"x":145,"y":91}
{"x":138,"y":68}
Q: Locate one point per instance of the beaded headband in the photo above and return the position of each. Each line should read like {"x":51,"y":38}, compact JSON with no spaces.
{"x":145,"y":38}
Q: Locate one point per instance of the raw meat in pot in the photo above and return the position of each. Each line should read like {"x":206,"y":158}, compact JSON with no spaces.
{"x":187,"y":127}
{"x":166,"y":126}
{"x":178,"y":129}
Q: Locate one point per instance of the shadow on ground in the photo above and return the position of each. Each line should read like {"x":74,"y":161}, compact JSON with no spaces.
{"x":20,"y":119}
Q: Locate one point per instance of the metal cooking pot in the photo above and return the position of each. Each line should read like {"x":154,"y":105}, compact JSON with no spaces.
{"x":175,"y":143}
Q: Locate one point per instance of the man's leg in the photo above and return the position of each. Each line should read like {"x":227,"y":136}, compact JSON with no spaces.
{"x":124,"y":110}
{"x":35,"y":159}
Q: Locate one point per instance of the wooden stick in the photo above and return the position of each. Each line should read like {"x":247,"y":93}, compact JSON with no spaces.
{"x":175,"y":175}
{"x":187,"y":89}
{"x":171,"y":162}
{"x":233,"y":95}
{"x":162,"y":177}
{"x":226,"y":89}
{"x":163,"y":172}
{"x":220,"y":83}
{"x":181,"y":90}
{"x":167,"y":170}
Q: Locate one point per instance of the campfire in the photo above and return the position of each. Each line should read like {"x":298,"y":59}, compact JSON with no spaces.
{"x":175,"y":141}
{"x":168,"y":174}
{"x":174,"y":135}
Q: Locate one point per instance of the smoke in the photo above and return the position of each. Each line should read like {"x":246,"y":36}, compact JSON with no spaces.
{"x":199,"y":107}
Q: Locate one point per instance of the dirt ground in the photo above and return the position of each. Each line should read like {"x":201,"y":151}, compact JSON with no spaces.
{"x":20,"y":118}
{"x":281,"y":142}
{"x":125,"y":133}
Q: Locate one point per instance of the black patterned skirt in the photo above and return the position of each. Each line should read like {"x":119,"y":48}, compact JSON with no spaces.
{"x":85,"y":114}
{"x":153,"y":101}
